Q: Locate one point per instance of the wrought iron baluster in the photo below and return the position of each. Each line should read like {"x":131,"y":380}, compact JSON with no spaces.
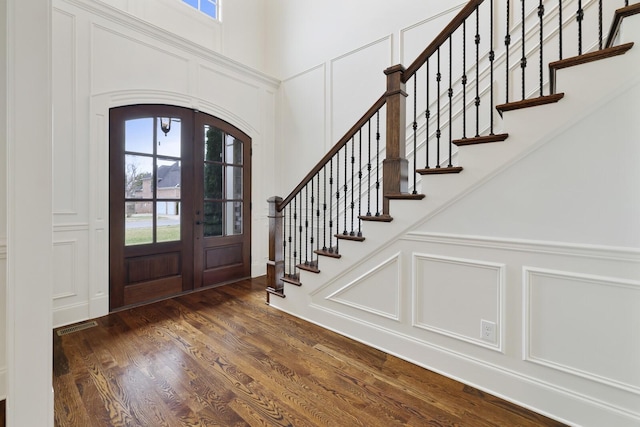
{"x":297,"y":240}
{"x":359,"y":182}
{"x":353,"y":185}
{"x":450,"y":93}
{"x":331,"y":247}
{"x":337,"y":196}
{"x":306,"y":224}
{"x":415,"y":130}
{"x":600,"y":24}
{"x":464,"y":79}
{"x":284,"y":239}
{"x":311,"y":241}
{"x":438,"y":132}
{"x":541,"y":16}
{"x":492,"y":57}
{"x":318,"y":214}
{"x":523,"y":60}
{"x":369,"y":171}
{"x":427,"y":115}
{"x":560,"y":26}
{"x":346,"y":188}
{"x":378,"y":163}
{"x":324,"y":208}
{"x":477,"y":100}
{"x":507,"y":43}
{"x":579,"y":18}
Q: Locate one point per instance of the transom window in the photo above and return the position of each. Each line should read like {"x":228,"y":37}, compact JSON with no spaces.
{"x":208,"y":7}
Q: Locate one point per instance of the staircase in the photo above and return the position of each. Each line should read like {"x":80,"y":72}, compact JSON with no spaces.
{"x":340,"y":241}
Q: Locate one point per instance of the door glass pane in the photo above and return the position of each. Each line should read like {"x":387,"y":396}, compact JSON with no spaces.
{"x":233,"y":150}
{"x":213,"y":144}
{"x":167,"y":221}
{"x":212,"y":221}
{"x":212,"y":181}
{"x":169,"y":143}
{"x":138,"y":223}
{"x":234,"y":182}
{"x":138,"y":135}
{"x":138,"y":177}
{"x":233,"y":218}
{"x":168,"y":177}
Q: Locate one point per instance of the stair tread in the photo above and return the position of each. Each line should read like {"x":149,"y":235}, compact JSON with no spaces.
{"x":532,"y":102}
{"x":481,"y":139}
{"x":439,"y":170}
{"x":378,"y":218}
{"x":311,"y":267}
{"x":276,"y":292}
{"x":404,"y":196}
{"x":330,"y":252}
{"x":292,"y":279}
{"x":349,"y":237}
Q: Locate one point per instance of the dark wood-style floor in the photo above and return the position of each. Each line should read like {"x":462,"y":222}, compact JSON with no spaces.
{"x":221,"y":357}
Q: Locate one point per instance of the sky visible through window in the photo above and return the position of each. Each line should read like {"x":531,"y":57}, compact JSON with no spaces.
{"x":208,"y":7}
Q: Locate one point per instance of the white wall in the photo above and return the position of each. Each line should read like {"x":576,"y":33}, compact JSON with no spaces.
{"x":102,"y":58}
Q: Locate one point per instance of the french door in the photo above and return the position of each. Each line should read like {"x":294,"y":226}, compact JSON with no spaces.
{"x":180,"y":191}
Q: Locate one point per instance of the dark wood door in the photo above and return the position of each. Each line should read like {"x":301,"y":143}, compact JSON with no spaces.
{"x":222,"y":245}
{"x":167,"y":236}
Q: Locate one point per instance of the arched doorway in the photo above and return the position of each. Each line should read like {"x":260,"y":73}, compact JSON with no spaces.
{"x":179,"y":214}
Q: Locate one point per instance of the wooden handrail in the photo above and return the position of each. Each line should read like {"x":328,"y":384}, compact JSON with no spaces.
{"x":441,"y":38}
{"x":341,"y":143}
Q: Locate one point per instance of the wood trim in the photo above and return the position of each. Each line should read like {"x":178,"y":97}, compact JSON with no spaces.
{"x":349,"y":237}
{"x":404,"y":196}
{"x":617,"y":20}
{"x":312,"y":267}
{"x":331,"y":253}
{"x":439,"y":171}
{"x":481,"y":139}
{"x":526,"y":103}
{"x":441,"y":38}
{"x":376,"y":218}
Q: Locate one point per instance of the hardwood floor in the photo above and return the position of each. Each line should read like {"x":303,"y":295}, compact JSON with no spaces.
{"x":221,"y":357}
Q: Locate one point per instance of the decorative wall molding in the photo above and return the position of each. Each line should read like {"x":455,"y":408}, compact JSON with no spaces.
{"x":3,"y":249}
{"x":447,"y":284}
{"x":71,"y":227}
{"x":70,"y":74}
{"x":389,"y":295}
{"x":68,"y":272}
{"x":523,"y":245}
{"x":166,"y":38}
{"x":531,"y":274}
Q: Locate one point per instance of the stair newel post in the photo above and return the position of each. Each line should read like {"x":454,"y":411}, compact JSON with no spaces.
{"x":395,"y":165}
{"x":275,"y":263}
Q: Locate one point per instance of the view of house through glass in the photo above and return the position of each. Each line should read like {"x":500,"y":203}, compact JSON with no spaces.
{"x":152,"y":180}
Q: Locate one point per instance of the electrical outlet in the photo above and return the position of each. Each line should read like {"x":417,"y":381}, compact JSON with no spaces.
{"x":488,"y":331}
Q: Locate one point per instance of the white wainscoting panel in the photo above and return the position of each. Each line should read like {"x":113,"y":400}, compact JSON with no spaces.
{"x":378,"y":291}
{"x":453,"y":295}
{"x":70,"y":273}
{"x":64,"y":125}
{"x":583,"y":324}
